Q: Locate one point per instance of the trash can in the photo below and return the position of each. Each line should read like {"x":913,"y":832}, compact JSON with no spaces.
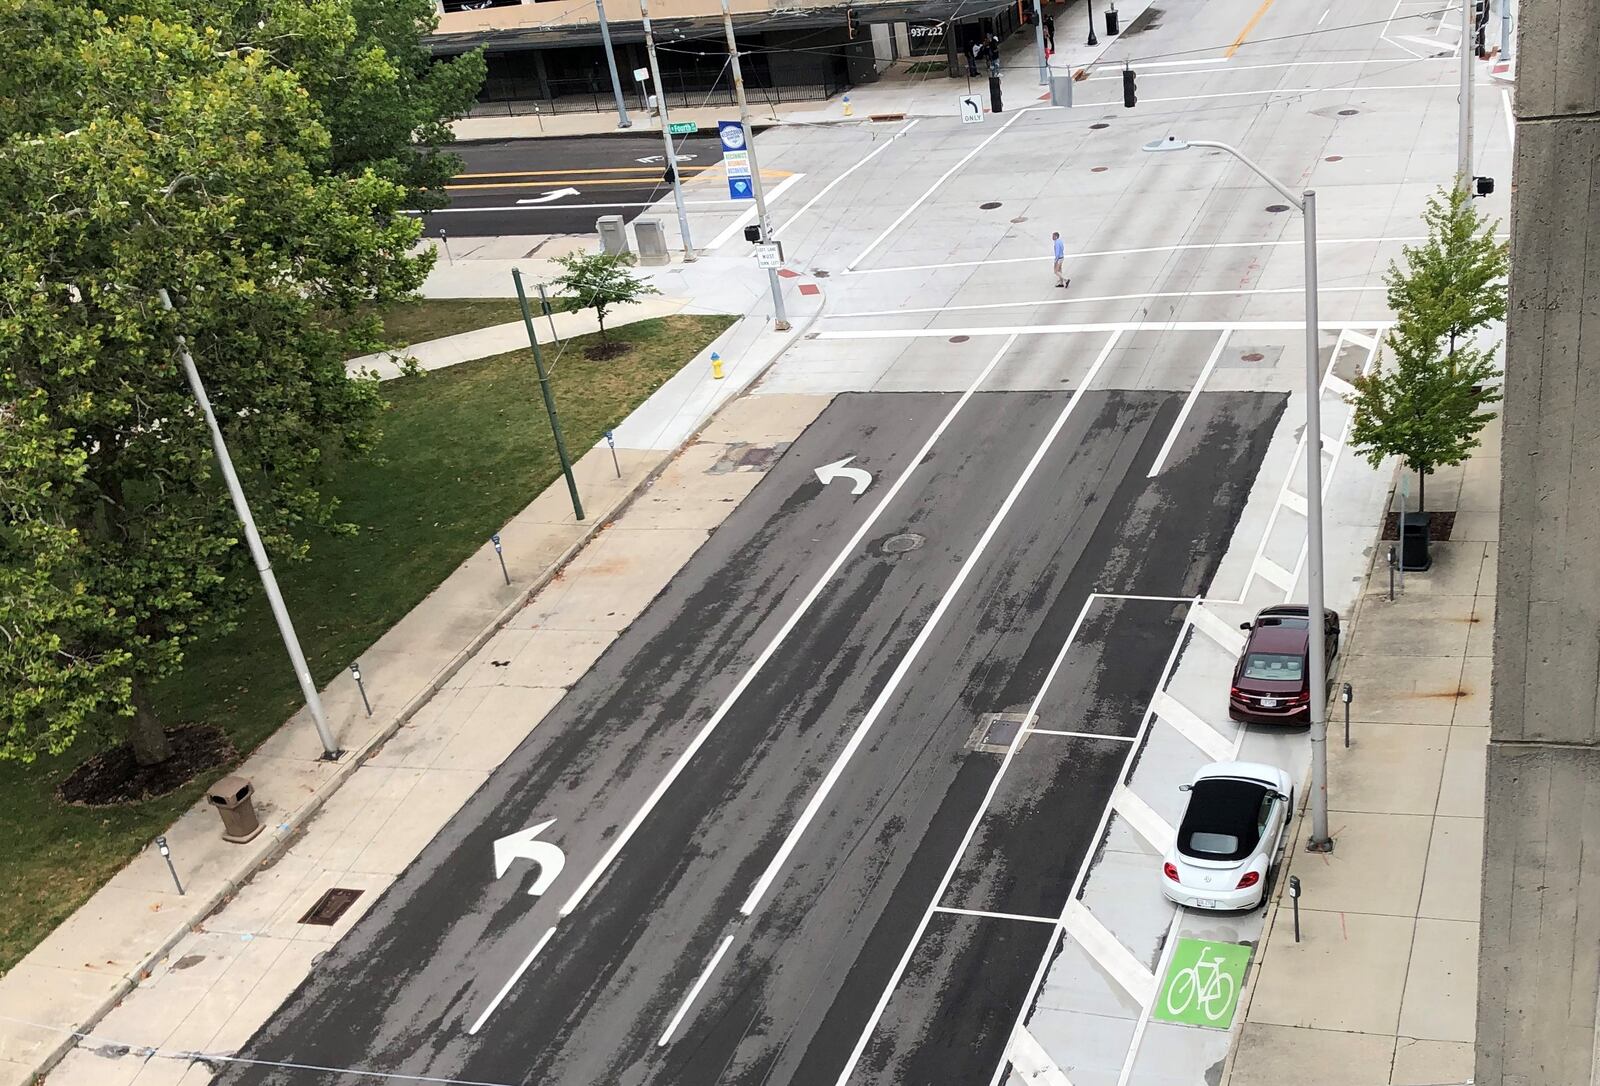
{"x":1414,"y":542}
{"x":613,"y":235}
{"x":231,"y":797}
{"x":652,"y":240}
{"x":1113,"y":22}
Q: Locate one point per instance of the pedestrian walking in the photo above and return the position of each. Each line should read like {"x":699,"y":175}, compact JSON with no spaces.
{"x":1049,"y":34}
{"x":974,"y":54}
{"x":1058,"y":249}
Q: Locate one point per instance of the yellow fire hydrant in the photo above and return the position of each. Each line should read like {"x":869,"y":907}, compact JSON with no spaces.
{"x":849,"y":110}
{"x":716,"y":366}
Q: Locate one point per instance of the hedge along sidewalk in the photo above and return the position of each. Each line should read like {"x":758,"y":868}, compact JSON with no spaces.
{"x":83,"y":969}
{"x":466,"y":346}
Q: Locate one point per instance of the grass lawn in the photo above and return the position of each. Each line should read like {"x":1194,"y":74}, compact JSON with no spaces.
{"x":422,"y":319}
{"x":464,"y":449}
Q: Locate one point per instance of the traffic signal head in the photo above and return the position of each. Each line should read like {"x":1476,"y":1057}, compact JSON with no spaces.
{"x":1130,"y":88}
{"x":752,"y":233}
{"x":852,"y":22}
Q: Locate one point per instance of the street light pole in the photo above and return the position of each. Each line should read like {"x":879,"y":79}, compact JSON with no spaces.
{"x":666,"y":136}
{"x":611,"y":62}
{"x":780,"y":319}
{"x":258,"y":552}
{"x":1306,"y":202}
{"x":1038,"y":40}
{"x":1464,"y":139}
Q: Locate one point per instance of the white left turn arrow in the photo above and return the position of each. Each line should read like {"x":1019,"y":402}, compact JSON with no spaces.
{"x":549,"y":196}
{"x":827,"y":473}
{"x":522,"y":846}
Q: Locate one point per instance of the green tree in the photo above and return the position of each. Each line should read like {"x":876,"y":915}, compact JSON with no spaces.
{"x":599,"y":281}
{"x":1428,"y":407}
{"x":171,"y":159}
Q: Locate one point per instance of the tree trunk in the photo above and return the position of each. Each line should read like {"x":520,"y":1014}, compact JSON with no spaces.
{"x":145,"y":733}
{"x":600,"y":317}
{"x":1422,"y":491}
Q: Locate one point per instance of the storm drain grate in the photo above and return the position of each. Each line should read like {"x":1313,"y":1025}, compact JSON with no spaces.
{"x":996,"y":732}
{"x":900,"y":544}
{"x":330,"y":907}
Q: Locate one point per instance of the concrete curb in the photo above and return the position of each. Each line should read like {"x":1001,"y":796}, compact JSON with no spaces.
{"x":284,"y":833}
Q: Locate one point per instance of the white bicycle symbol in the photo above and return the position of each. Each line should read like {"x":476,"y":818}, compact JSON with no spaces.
{"x":1203,"y":983}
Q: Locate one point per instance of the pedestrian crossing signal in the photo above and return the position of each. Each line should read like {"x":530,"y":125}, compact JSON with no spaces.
{"x":1130,"y":88}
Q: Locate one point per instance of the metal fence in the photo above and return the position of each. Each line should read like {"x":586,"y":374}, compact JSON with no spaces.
{"x":510,"y":97}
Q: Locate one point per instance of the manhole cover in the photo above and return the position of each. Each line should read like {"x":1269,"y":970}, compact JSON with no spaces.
{"x":1100,"y":125}
{"x":330,"y":907}
{"x":990,"y":206}
{"x":959,"y":339}
{"x":1253,"y":356}
{"x":900,"y":544}
{"x":1334,"y":158}
{"x":1098,"y":169}
{"x":1275,"y":208}
{"x":996,"y":732}
{"x":820,"y":274}
{"x":1348,"y":112}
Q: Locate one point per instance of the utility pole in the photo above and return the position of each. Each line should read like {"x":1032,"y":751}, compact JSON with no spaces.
{"x":1505,"y":30}
{"x":611,"y":62}
{"x":780,"y":319}
{"x":1038,"y":40}
{"x":258,"y":552}
{"x":1464,"y":145}
{"x":549,"y":397}
{"x":666,"y":136}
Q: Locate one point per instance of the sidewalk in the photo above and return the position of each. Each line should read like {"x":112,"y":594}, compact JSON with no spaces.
{"x":1382,"y":987}
{"x":158,"y":977}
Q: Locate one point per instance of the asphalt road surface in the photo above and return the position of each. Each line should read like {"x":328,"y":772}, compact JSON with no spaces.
{"x":561,"y":185}
{"x":728,"y":937}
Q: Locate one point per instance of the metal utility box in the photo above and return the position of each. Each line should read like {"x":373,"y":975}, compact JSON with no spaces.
{"x":1061,"y":90}
{"x":652,"y":239}
{"x":613,"y":234}
{"x":231,"y":797}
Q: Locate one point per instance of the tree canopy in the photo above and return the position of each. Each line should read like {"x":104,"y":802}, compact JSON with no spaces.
{"x":599,"y":281}
{"x":153,"y":148}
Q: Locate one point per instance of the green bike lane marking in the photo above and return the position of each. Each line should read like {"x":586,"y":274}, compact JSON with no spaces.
{"x":1202,"y":984}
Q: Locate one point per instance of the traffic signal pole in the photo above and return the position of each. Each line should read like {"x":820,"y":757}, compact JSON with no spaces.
{"x":666,"y":136}
{"x":780,"y":319}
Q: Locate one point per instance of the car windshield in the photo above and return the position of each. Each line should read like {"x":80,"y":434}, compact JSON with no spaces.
{"x":1274,"y":666}
{"x":1224,"y":819}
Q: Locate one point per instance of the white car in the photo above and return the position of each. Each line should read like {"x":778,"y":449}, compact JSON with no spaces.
{"x":1237,"y":817}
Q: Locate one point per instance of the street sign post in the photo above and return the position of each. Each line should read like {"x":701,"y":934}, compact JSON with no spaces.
{"x":739,"y":188}
{"x":769,"y":256}
{"x":683,"y":128}
{"x":971,"y":107}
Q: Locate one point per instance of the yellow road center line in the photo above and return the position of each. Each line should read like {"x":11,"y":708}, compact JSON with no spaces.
{"x":1251,"y":25}
{"x":568,"y":182}
{"x":570,"y":173}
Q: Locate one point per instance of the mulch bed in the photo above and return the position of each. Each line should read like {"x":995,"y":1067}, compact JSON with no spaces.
{"x":113,"y":776}
{"x":1439,"y":526}
{"x":602,"y":351}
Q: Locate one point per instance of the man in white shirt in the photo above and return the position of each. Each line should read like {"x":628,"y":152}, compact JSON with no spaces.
{"x":1059,"y":250}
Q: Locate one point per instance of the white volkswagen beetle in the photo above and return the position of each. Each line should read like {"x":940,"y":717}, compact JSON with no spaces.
{"x":1238,"y":815}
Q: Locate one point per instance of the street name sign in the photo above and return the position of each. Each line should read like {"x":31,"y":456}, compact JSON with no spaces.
{"x":682,"y":128}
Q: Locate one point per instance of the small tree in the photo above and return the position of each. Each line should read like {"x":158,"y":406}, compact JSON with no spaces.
{"x":1428,"y":408}
{"x":599,"y":281}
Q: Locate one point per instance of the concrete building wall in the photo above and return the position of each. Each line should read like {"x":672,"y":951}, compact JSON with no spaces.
{"x":1539,"y":967}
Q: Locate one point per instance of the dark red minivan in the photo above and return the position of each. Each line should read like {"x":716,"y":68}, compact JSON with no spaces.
{"x":1272,"y":680}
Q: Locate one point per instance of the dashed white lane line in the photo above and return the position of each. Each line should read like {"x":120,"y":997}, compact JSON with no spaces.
{"x":1143,"y":818}
{"x":512,"y":983}
{"x":988,"y":915}
{"x":1090,"y":298}
{"x":933,"y":188}
{"x":749,"y":214}
{"x":1190,"y":726}
{"x":890,"y":688}
{"x":688,"y":1000}
{"x":1107,"y":950}
{"x":1213,"y":626}
{"x":805,"y":207}
{"x":1094,"y":327}
{"x":1030,"y":1063}
{"x":1188,"y":405}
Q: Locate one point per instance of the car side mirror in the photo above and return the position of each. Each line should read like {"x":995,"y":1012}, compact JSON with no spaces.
{"x":1185,"y":787}
{"x":1244,"y":625}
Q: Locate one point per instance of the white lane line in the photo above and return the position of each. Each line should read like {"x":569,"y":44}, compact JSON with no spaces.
{"x":972,"y":829}
{"x":1189,"y":725}
{"x":1141,"y":250}
{"x":988,"y":915}
{"x":1143,"y":818}
{"x":920,"y":200}
{"x":1086,"y":299}
{"x":890,"y":688}
{"x":726,"y":205}
{"x":1106,"y":949}
{"x":1213,"y":626}
{"x":508,"y":985}
{"x":749,"y":214}
{"x":1093,"y":326}
{"x":805,"y":207}
{"x":846,"y":552}
{"x":1338,"y":385}
{"x":688,"y":1000}
{"x":1293,"y":500}
{"x":1032,"y":1063}
{"x":1391,"y":62}
{"x":1082,"y":735}
{"x":1359,"y":339}
{"x":1155,"y":599}
{"x":1271,"y":571}
{"x":1188,"y":405}
{"x":1099,"y":832}
{"x":1294,"y":92}
{"x":1511,"y":120}
{"x":1324,"y":17}
{"x":1163,"y":963}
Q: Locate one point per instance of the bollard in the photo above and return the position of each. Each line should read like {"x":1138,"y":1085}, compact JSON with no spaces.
{"x":716,"y":366}
{"x":355,"y":669}
{"x":498,"y":553}
{"x":612,"y":441}
{"x":1392,"y":564}
{"x":849,"y":110}
{"x":1346,"y":693}
{"x":166,"y":854}
{"x":1294,"y":898}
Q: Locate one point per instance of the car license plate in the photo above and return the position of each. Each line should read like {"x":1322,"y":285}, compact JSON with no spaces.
{"x":1205,"y":903}
{"x":1269,"y":703}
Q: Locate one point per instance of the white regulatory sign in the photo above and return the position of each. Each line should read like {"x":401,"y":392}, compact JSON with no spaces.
{"x":641,"y":74}
{"x":768,"y":256}
{"x":971,"y":109}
